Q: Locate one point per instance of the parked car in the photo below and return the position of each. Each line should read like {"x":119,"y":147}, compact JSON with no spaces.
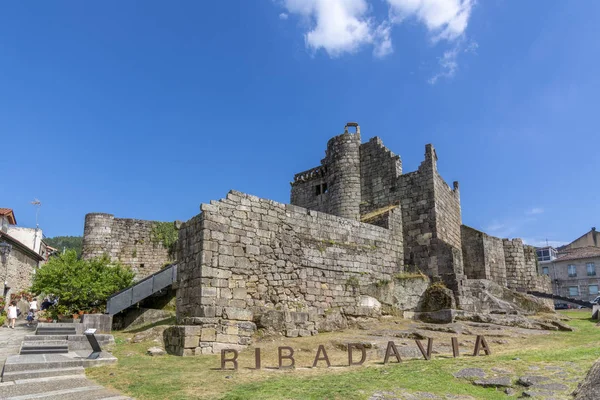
{"x":561,"y":306}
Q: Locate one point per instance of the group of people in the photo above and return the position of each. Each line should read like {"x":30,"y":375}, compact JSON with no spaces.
{"x":13,"y":313}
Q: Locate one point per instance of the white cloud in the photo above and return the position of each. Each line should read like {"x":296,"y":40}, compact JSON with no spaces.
{"x":535,"y":211}
{"x":471,"y":47}
{"x":383,"y":43}
{"x":448,"y":64}
{"x":339,"y":26}
{"x":346,"y":26}
{"x":445,"y":19}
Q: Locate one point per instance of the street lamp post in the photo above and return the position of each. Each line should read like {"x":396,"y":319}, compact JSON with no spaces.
{"x":5,"y":249}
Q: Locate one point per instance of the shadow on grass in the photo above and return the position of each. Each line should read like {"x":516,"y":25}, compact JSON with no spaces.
{"x":167,"y":321}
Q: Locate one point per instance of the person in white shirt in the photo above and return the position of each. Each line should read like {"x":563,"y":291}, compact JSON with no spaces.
{"x":33,"y":306}
{"x":12,"y":314}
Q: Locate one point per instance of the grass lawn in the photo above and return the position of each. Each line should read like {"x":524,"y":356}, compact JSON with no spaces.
{"x":146,"y":377}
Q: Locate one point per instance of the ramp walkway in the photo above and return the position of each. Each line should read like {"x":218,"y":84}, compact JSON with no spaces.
{"x":137,"y":292}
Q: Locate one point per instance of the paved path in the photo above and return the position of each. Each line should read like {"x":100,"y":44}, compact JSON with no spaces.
{"x":48,"y":381}
{"x":10,"y":339}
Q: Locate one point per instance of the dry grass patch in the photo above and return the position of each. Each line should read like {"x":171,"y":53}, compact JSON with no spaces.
{"x":145,"y":377}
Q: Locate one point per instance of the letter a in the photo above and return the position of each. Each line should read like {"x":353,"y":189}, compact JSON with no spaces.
{"x":323,"y":357}
{"x":391,"y":350}
{"x":481,"y":344}
{"x":226,"y":360}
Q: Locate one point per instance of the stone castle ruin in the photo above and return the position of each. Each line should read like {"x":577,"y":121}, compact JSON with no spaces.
{"x":359,"y":239}
{"x":131,"y":241}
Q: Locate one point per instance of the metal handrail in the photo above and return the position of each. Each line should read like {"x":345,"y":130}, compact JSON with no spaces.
{"x":113,"y":307}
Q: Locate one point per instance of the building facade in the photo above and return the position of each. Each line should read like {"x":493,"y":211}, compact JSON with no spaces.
{"x":18,"y":260}
{"x":574,"y":269}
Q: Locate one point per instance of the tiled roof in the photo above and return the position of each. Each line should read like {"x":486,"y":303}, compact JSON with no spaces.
{"x":578,"y":253}
{"x":10,"y":214}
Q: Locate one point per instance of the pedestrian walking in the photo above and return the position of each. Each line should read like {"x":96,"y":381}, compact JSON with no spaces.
{"x":12,"y":314}
{"x":30,"y":317}
{"x":33,"y":306}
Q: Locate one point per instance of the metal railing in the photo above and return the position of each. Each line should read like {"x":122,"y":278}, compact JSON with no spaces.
{"x":584,"y":303}
{"x":141,"y":290}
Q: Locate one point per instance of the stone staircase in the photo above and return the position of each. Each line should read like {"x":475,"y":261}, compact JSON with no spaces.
{"x":51,"y":366}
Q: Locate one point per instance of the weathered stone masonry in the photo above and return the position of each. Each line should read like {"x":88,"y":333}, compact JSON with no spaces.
{"x":243,"y":256}
{"x":355,"y":225}
{"x":128,"y":240}
{"x":430,"y":208}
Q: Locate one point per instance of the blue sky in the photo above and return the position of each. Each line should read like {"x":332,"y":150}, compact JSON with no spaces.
{"x":145,"y":109}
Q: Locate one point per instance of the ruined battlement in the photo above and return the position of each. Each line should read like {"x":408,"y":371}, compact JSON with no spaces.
{"x":127,"y":240}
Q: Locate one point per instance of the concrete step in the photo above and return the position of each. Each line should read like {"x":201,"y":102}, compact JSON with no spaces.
{"x":29,"y":362}
{"x":41,"y":338}
{"x":49,"y":379}
{"x":41,"y":373}
{"x":45,"y":349}
{"x":42,"y":388}
{"x":46,"y":331}
{"x":83,"y":393}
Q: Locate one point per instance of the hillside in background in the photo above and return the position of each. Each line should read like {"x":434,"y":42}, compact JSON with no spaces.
{"x":66,"y":242}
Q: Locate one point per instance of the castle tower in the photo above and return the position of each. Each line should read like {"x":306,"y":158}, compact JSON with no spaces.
{"x":343,"y":173}
{"x":97,"y":235}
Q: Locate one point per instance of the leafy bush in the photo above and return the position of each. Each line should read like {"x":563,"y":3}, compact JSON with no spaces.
{"x":165,"y":233}
{"x":80,"y":285}
{"x":2,"y":319}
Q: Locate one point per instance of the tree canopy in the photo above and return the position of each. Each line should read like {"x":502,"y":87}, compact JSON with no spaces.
{"x":80,"y":285}
{"x":66,"y":242}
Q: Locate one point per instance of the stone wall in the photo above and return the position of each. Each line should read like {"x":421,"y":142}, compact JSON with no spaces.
{"x":17,"y":269}
{"x":475,"y":266}
{"x":307,"y":189}
{"x":483,"y":256}
{"x":243,"y":255}
{"x":129,"y":241}
{"x":343,"y":175}
{"x":335,"y":186}
{"x":418,"y":216}
{"x":447,"y":211}
{"x":431,"y":221}
{"x":514,"y":257}
{"x":379,"y":172}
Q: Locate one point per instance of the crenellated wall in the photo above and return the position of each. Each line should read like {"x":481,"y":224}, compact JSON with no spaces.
{"x":379,"y":172}
{"x":129,"y":241}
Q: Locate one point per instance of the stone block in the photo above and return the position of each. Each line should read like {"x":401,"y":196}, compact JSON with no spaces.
{"x":208,"y":335}
{"x":191,"y":342}
{"x":232,"y":330}
{"x":239,"y":314}
{"x":292,"y":333}
{"x":217,"y":347}
{"x":101,"y":322}
{"x":223,"y":338}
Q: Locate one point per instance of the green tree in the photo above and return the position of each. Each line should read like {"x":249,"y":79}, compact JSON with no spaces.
{"x":66,"y":242}
{"x":80,"y":285}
